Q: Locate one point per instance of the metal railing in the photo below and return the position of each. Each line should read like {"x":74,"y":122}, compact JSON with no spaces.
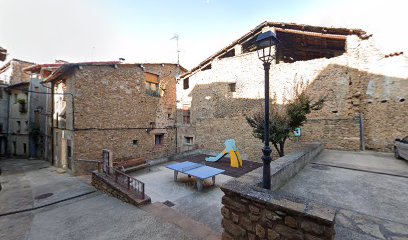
{"x":130,"y":183}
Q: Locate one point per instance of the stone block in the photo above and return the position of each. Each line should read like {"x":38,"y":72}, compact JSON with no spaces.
{"x":272,"y":235}
{"x":225,"y":212}
{"x":272,"y":215}
{"x":312,"y":227}
{"x":254,"y":218}
{"x":288,"y":232}
{"x":234,"y":205}
{"x":290,"y":221}
{"x":254,"y":210}
{"x":232,"y":228}
{"x":260,"y":231}
{"x":235,"y":217}
{"x":312,"y":237}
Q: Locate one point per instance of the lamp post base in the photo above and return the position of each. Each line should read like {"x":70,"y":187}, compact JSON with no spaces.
{"x":266,"y":159}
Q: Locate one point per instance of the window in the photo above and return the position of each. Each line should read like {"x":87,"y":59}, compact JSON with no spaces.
{"x":26,"y":125}
{"x":14,"y":147}
{"x":232,"y":87}
{"x":186,"y":115}
{"x":1,"y":127}
{"x":186,"y":83}
{"x":188,"y":140}
{"x":152,"y":84}
{"x":158,"y":139}
{"x":25,"y":148}
{"x":15,"y":98}
{"x":18,"y":126}
{"x":135,"y":142}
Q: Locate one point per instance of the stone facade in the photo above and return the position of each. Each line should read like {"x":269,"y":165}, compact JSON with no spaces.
{"x":114,"y":108}
{"x":360,"y":82}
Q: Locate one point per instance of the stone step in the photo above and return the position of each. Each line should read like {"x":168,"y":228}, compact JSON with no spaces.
{"x":170,"y":215}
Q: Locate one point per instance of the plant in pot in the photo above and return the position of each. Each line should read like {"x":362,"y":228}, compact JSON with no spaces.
{"x":22,"y":107}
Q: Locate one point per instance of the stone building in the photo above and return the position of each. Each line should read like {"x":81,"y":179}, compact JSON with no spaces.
{"x":21,"y":102}
{"x":365,"y":89}
{"x":3,"y":54}
{"x":126,"y":108}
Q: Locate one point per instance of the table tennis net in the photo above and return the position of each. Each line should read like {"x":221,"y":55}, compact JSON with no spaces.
{"x":191,"y":167}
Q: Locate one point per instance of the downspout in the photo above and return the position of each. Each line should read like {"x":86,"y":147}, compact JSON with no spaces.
{"x":362,"y":139}
{"x":8,"y":153}
{"x":52,"y":124}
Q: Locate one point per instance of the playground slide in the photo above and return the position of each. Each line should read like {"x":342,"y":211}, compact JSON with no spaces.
{"x":231,"y":148}
{"x":216,"y":158}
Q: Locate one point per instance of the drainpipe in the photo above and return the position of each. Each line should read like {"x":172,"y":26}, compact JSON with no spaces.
{"x":52,"y":124}
{"x":8,"y":153}
{"x":362,"y":140}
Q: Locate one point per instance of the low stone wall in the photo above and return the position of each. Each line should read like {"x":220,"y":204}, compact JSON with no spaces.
{"x":102,"y":182}
{"x":250,"y":212}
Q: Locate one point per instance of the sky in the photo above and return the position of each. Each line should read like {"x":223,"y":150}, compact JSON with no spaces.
{"x":42,"y":31}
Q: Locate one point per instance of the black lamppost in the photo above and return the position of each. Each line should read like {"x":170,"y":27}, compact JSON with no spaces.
{"x":264,"y":43}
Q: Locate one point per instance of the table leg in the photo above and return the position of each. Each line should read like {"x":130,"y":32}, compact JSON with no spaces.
{"x":213,"y":180}
{"x":175,"y":175}
{"x":199,"y":184}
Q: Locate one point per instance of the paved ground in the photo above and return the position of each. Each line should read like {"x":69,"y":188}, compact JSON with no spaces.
{"x":362,"y":185}
{"x":92,"y":216}
{"x":204,"y":206}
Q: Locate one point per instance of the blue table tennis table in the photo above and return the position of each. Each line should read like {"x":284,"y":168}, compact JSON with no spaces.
{"x":197,"y":170}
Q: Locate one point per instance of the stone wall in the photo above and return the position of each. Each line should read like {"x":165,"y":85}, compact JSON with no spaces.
{"x":361,"y":81}
{"x":250,"y":212}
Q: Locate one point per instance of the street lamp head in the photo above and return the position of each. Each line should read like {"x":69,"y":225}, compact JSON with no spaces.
{"x":264,"y":43}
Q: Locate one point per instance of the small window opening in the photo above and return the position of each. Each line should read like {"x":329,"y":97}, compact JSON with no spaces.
{"x":25,"y":148}
{"x":188,"y":140}
{"x":232,"y":87}
{"x":135,"y":142}
{"x":186,"y":84}
{"x":158,"y":139}
{"x":402,"y":100}
{"x":18,"y":126}
{"x":186,"y":115}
